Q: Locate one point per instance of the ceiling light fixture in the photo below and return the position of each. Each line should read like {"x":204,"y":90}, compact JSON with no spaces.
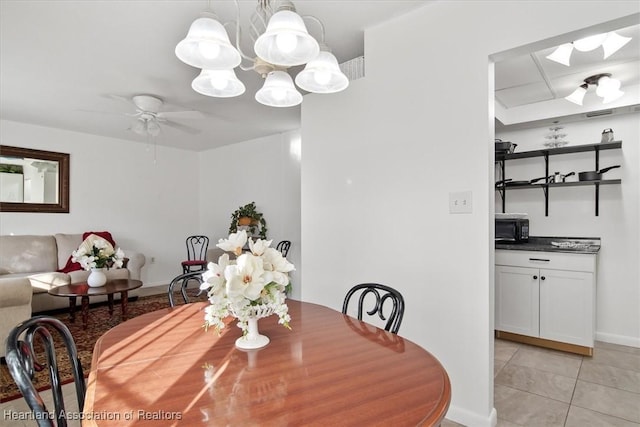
{"x":607,"y":88}
{"x":146,"y":125}
{"x":280,"y":41}
{"x":611,"y":42}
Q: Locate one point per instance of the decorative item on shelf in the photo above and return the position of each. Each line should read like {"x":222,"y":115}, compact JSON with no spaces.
{"x":253,"y":286}
{"x":96,"y":254}
{"x":556,"y":138}
{"x":248,"y":218}
{"x":607,"y":135}
{"x":96,"y":278}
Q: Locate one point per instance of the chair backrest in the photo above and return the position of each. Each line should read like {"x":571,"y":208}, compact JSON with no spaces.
{"x":23,"y":363}
{"x":283,"y":246}
{"x":183,"y":279}
{"x":197,"y":248}
{"x":381,"y":294}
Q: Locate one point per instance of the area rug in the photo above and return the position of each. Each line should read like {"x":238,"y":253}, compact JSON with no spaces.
{"x":99,"y":323}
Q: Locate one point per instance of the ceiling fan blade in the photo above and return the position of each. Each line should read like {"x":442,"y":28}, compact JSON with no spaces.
{"x":119,"y":98}
{"x":181,"y":127}
{"x":186,"y":115}
{"x":113,"y":113}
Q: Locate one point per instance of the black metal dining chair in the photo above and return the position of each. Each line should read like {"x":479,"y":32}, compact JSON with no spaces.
{"x":381,"y":294}
{"x":196,"y":254}
{"x":184,"y":280}
{"x":283,"y":246}
{"x":23,"y":364}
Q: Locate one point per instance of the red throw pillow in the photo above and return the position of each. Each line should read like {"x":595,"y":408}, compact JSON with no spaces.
{"x":75,"y":266}
{"x":104,"y":234}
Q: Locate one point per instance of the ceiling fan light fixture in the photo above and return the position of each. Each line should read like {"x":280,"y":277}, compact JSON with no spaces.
{"x":286,"y":41}
{"x":577,"y":96}
{"x":322,"y":75}
{"x":613,"y":43}
{"x":589,"y":43}
{"x":218,"y":83}
{"x":207,"y":45}
{"x":562,"y":54}
{"x":153,"y":128}
{"x":278,"y":91}
{"x":140,"y":127}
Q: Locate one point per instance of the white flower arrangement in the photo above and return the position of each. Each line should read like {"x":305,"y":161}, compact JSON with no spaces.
{"x":99,"y":255}
{"x":256,"y":281}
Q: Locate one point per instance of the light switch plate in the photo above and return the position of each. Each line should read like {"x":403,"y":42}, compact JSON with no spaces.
{"x":461,"y":202}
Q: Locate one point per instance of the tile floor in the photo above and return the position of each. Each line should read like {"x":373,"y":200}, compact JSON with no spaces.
{"x":539,"y":387}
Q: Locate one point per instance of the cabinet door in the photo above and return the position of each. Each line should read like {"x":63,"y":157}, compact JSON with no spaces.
{"x":567,"y":306}
{"x":517,"y":300}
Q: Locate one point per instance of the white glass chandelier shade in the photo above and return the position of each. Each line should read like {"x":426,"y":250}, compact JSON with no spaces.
{"x":589,"y":43}
{"x":613,"y":43}
{"x":562,"y":54}
{"x":322,"y":75}
{"x":577,"y":96}
{"x":218,"y":83}
{"x":207,"y":46}
{"x":286,"y":41}
{"x":278,"y":91}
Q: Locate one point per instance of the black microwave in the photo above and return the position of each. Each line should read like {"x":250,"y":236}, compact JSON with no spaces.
{"x":512,"y":229}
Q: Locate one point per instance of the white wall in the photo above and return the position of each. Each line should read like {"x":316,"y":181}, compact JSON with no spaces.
{"x":572,"y":213}
{"x":381,"y":159}
{"x":116,"y":185}
{"x":265,"y":171}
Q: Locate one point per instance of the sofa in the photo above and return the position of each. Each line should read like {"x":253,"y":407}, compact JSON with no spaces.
{"x":29,"y":267}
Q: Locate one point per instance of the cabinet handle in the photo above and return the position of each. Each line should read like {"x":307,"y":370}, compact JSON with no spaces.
{"x":542,"y":278}
{"x":535,"y":277}
{"x":539,"y":259}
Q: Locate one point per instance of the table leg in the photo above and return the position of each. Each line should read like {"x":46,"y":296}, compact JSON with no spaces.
{"x":72,"y":309}
{"x":124,"y":299}
{"x":85,"y":311}
{"x":110,"y":299}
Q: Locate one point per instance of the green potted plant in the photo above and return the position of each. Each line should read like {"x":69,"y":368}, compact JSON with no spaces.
{"x":248,"y":216}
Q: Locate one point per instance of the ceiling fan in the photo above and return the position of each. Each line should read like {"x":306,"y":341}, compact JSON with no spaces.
{"x":149,"y":117}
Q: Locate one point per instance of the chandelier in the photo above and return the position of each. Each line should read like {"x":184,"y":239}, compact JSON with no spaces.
{"x":611,"y":42}
{"x":280,"y":41}
{"x":607,"y":88}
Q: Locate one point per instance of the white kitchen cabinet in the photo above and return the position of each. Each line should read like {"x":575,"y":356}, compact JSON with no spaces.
{"x":547,"y":297}
{"x":517,"y":300}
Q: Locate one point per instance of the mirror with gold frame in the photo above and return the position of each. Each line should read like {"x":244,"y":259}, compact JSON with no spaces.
{"x":33,"y":180}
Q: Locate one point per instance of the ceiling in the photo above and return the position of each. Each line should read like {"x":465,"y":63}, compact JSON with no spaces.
{"x":72,"y":65}
{"x":60,"y":61}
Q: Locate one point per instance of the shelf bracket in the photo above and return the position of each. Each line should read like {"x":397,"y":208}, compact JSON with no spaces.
{"x":545,"y":189}
{"x":503,"y":191}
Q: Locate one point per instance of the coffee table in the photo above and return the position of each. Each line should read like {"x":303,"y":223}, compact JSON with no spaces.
{"x":84,"y":291}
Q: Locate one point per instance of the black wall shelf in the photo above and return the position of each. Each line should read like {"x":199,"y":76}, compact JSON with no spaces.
{"x":501,"y":158}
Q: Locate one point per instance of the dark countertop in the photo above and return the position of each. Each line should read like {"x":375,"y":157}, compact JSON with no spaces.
{"x":574,"y":245}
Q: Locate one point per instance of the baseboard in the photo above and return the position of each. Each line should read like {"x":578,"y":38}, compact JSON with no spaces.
{"x":618,"y":339}
{"x":466,"y":418}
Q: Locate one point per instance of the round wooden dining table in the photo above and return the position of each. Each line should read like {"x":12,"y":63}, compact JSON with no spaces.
{"x":163,"y":369}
